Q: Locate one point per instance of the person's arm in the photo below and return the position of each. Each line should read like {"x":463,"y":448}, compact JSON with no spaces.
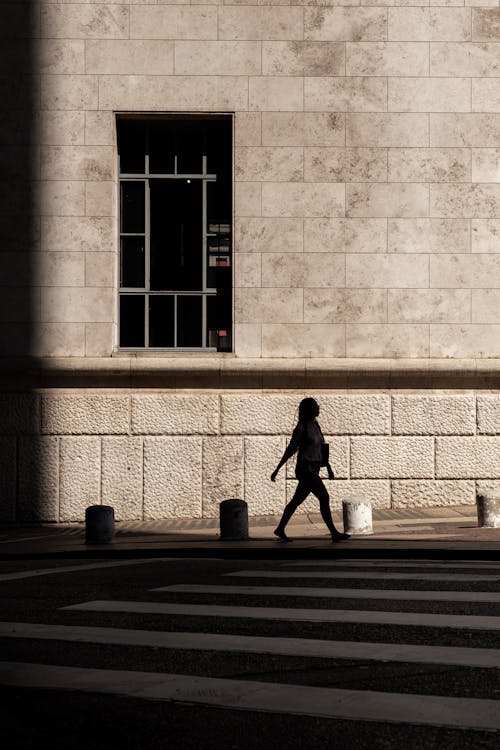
{"x":290,"y":450}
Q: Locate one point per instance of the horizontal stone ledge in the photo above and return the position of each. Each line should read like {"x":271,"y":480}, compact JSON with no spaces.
{"x":220,"y":371}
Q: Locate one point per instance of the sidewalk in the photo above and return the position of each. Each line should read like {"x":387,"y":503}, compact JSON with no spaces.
{"x":449,"y":531}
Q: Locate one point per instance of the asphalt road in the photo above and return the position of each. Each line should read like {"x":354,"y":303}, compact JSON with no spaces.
{"x":56,"y":717}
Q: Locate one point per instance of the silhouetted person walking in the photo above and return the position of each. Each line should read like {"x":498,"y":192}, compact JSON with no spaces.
{"x":307,"y":439}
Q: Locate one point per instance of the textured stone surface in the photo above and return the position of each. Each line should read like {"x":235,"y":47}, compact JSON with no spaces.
{"x":247,"y":414}
{"x":122,"y":483}
{"x":172,"y":477}
{"x":464,"y":457}
{"x":488,"y":414}
{"x":97,"y":413}
{"x":262,"y":455}
{"x":354,"y":415}
{"x":7,"y":479}
{"x":19,"y":414}
{"x":38,"y":498}
{"x":433,"y":415}
{"x":426,"y":493}
{"x":165,"y":414}
{"x":79,"y":476}
{"x":398,"y":457}
{"x":222,"y":472}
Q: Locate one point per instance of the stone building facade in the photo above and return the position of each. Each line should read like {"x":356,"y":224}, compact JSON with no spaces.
{"x":362,"y":248}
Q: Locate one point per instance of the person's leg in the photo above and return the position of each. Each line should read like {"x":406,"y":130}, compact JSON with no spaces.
{"x":301,"y":492}
{"x":319,"y":490}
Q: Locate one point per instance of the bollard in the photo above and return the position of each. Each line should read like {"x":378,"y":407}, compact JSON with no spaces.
{"x":99,"y":524}
{"x":488,"y":510}
{"x":233,"y":520}
{"x":357,"y":515}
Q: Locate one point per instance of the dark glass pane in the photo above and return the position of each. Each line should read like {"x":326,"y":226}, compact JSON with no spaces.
{"x":132,"y":206}
{"x":131,"y":146}
{"x":219,"y":322}
{"x":190,"y":147}
{"x":219,"y":147}
{"x":176,"y":235}
{"x":189,"y":321}
{"x":132,"y":262}
{"x":161,"y":146}
{"x":219,"y":206}
{"x":161,"y":321}
{"x":132,"y":320}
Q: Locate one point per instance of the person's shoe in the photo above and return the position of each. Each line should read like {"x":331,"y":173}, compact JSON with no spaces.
{"x":282,"y":536}
{"x":338,"y":536}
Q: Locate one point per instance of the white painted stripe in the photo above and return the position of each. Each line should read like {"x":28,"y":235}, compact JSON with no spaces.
{"x":449,"y":655}
{"x":329,"y":593}
{"x":75,"y":568}
{"x":269,"y":697}
{"x":364,"y":617}
{"x":438,"y":565}
{"x":378,"y":575}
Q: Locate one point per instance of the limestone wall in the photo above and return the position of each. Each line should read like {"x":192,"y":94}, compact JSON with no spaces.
{"x":155,"y":454}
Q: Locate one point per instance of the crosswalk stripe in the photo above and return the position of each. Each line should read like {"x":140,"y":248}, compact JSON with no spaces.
{"x":364,"y":617}
{"x":306,"y":647}
{"x":449,"y":565}
{"x":329,"y":593}
{"x":470,"y":713}
{"x":378,"y":575}
{"x":75,"y":568}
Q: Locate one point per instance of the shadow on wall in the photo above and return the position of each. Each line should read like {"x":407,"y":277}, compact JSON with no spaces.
{"x":19,"y":244}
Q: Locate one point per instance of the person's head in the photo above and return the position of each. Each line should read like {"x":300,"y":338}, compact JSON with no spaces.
{"x":308,"y":409}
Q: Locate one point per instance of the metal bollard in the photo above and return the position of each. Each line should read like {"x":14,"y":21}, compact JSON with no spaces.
{"x":357,"y":515}
{"x":233,"y":515}
{"x":488,"y":510}
{"x":99,"y":524}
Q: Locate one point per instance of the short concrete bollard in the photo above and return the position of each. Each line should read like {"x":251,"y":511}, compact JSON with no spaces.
{"x":99,"y":524}
{"x":233,"y":516}
{"x":357,"y":515}
{"x":488,"y":510}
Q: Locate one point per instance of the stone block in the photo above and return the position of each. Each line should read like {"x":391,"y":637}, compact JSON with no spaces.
{"x":217,"y":58}
{"x":172,"y":477}
{"x":485,"y":163}
{"x":464,"y":341}
{"x":303,"y":340}
{"x":62,"y":128}
{"x":408,"y":493}
{"x":19,"y":414}
{"x":387,"y":59}
{"x":173,"y":22}
{"x":77,"y":305}
{"x":465,"y":201}
{"x":59,"y":269}
{"x":268,"y":305}
{"x":485,"y":234}
{"x":133,"y":56}
{"x":69,"y":92}
{"x":388,"y":130}
{"x":396,"y":199}
{"x":38,"y":494}
{"x":122,"y":481}
{"x":268,"y":164}
{"x":429,"y":165}
{"x":57,"y":339}
{"x":283,"y":93}
{"x":247,"y":339}
{"x":471,"y":271}
{"x":352,"y":94}
{"x":303,"y":270}
{"x":77,"y":234}
{"x":99,"y":129}
{"x":60,"y":198}
{"x":77,"y":163}
{"x":264,"y":235}
{"x":429,"y":306}
{"x":429,"y":236}
{"x":354,"y":415}
{"x":90,"y":22}
{"x":429,"y":24}
{"x":305,"y":199}
{"x":247,"y":129}
{"x":169,"y":414}
{"x":345,"y":164}
{"x":79,"y":476}
{"x":248,"y":270}
{"x":262,"y":455}
{"x":345,"y":235}
{"x":254,"y":23}
{"x":429,"y":94}
{"x":7,"y":479}
{"x":61,"y":56}
{"x":222,"y":472}
{"x":303,"y":58}
{"x":486,"y":24}
{"x":488,"y":414}
{"x":303,"y":128}
{"x":485,"y":306}
{"x":100,"y":269}
{"x":264,"y":414}
{"x":98,"y":339}
{"x":465,"y":457}
{"x":90,"y":414}
{"x":433,"y":415}
{"x":386,"y":271}
{"x":100,"y":199}
{"x":481,"y":130}
{"x":346,"y":24}
{"x":459,"y":59}
{"x":379,"y":340}
{"x":485,"y":97}
{"x":392,"y":457}
{"x":247,"y":199}
{"x":487,"y":486}
{"x":345,"y":305}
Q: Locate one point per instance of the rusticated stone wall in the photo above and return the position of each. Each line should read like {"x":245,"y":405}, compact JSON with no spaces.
{"x":163,"y":455}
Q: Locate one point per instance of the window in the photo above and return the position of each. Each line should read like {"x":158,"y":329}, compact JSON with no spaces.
{"x":175,"y":232}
